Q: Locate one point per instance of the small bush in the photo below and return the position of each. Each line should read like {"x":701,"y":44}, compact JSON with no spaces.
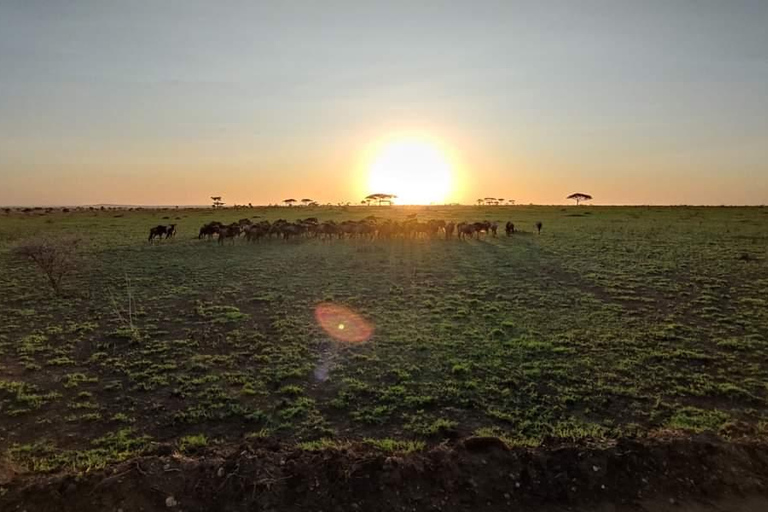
{"x":54,"y":256}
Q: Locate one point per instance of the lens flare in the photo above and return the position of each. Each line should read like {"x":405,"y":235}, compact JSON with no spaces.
{"x":343,"y":324}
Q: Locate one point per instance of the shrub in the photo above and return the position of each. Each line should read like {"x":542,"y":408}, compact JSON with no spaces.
{"x":54,"y":256}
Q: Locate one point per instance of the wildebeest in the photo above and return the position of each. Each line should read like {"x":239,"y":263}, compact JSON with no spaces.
{"x":232,"y":231}
{"x":328,"y":230}
{"x":510,"y":228}
{"x":290,"y":230}
{"x":538,"y":227}
{"x":310,"y":226}
{"x":256,"y":232}
{"x":434,"y":227}
{"x":358,"y":228}
{"x":481,"y":227}
{"x":210,"y":229}
{"x":449,"y":228}
{"x":160,"y":231}
{"x":465,"y":230}
{"x":170,"y":231}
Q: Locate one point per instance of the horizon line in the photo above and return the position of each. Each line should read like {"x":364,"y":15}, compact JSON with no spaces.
{"x":357,"y":205}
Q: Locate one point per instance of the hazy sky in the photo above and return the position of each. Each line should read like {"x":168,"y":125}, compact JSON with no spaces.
{"x":169,"y":102}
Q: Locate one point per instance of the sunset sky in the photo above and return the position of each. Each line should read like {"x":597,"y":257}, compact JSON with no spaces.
{"x":170,"y":102}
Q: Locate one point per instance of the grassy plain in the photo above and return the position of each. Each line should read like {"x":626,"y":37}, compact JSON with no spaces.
{"x":613,"y":322}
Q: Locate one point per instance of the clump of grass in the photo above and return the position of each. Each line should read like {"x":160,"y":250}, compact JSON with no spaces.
{"x":322,"y":445}
{"x":192,"y":443}
{"x":438,"y":427}
{"x":73,"y":380}
{"x":121,"y":417}
{"x":44,"y":456}
{"x":395,"y":446}
{"x":695,"y":419}
{"x":264,"y":433}
{"x":219,"y":314}
{"x":24,"y":397}
{"x":291,"y":389}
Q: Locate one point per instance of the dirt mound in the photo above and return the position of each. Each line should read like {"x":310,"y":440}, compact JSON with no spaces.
{"x":472,"y":474}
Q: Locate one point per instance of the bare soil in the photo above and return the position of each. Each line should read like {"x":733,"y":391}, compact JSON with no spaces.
{"x":702,"y":473}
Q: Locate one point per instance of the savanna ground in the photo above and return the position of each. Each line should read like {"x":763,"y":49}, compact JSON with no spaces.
{"x":615,"y":322}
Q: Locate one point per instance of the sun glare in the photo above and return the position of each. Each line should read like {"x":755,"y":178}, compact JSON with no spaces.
{"x":416,"y":170}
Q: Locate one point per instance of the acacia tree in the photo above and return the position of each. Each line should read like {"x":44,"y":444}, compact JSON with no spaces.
{"x":480,"y":202}
{"x":306,"y":201}
{"x":55,"y":256}
{"x":217,"y":202}
{"x":579,"y":197}
{"x":380,"y":198}
{"x":289,"y":202}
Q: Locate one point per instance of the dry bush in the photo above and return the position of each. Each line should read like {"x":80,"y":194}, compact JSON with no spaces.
{"x":54,"y":256}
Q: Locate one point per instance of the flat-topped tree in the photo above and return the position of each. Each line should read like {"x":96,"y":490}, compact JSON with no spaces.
{"x":491,"y":201}
{"x":217,"y":202}
{"x":579,"y":197}
{"x":289,"y":202}
{"x":380,"y":198}
{"x":306,"y":202}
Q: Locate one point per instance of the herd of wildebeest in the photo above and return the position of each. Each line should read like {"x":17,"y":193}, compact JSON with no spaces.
{"x":369,"y":228}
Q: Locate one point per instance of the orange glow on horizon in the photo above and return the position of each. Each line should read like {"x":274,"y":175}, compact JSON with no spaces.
{"x":415,"y":168}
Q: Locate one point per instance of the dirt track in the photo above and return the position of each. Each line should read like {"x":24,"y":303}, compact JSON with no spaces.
{"x":474,"y":474}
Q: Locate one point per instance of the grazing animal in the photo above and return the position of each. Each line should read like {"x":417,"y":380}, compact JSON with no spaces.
{"x":449,"y":228}
{"x":232,"y":231}
{"x":277,"y":227}
{"x":538,"y":227}
{"x":170,"y":231}
{"x":210,"y":229}
{"x":465,"y":230}
{"x":157,"y":232}
{"x":481,"y":227}
{"x":510,"y":228}
{"x":329,"y":229}
{"x":310,"y":226}
{"x":256,"y":232}
{"x":434,"y":227}
{"x":290,"y":229}
{"x":494,"y":228}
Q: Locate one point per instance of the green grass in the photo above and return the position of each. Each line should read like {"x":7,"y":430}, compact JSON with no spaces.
{"x":192,"y":443}
{"x":613,"y":322}
{"x":395,"y":446}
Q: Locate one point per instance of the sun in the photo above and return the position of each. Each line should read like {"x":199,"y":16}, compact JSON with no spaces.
{"x":414,"y":169}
